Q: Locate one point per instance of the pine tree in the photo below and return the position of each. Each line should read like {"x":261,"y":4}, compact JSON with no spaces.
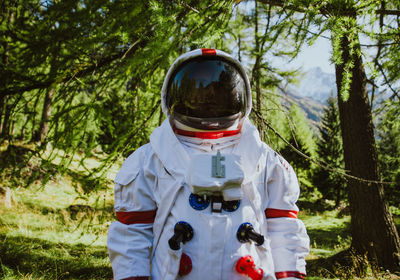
{"x":330,"y":151}
{"x":388,"y":132}
{"x":301,"y":137}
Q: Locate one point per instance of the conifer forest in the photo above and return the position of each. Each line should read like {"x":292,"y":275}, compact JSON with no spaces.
{"x":80,"y":90}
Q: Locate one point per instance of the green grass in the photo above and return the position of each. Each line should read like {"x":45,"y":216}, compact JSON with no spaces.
{"x":330,"y":257}
{"x":40,"y":236}
{"x":329,"y":234}
{"x":41,"y":239}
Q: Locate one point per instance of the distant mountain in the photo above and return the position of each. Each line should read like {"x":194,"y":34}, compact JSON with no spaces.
{"x":311,"y":94}
{"x":312,"y":108}
{"x":317,"y":85}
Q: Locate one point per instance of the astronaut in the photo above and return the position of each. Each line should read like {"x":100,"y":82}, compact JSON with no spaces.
{"x":206,"y":198}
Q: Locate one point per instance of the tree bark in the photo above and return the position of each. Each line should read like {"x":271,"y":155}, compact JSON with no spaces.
{"x":5,"y":128}
{"x":372,"y":228}
{"x":9,"y":12}
{"x":256,"y":75}
{"x":23,"y":129}
{"x":46,"y":112}
{"x":43,"y":130}
{"x":1,"y":116}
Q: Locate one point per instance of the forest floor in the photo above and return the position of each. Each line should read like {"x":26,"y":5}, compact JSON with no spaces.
{"x":58,"y":231}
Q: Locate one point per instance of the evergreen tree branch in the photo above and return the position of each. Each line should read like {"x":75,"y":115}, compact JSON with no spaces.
{"x":320,"y":163}
{"x":46,"y":83}
{"x":326,"y":9}
{"x":387,"y":81}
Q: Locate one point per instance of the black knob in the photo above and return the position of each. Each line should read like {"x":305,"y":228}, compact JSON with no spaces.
{"x":183,"y":232}
{"x":246,"y":233}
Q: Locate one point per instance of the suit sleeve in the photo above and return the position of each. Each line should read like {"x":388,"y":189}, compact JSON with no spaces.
{"x":131,"y":236}
{"x":289,"y":239}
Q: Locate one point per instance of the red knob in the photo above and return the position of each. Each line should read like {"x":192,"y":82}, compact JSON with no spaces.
{"x":185,"y":266}
{"x":245,"y":265}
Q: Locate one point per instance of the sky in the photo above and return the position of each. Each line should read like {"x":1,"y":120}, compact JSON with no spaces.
{"x":317,"y":55}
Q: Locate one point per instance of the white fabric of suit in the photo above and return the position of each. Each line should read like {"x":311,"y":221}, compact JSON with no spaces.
{"x":153,"y":178}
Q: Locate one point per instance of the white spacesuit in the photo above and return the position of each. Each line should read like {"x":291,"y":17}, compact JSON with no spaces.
{"x":206,"y":198}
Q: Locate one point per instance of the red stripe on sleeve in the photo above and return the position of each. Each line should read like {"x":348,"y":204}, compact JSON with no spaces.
{"x":136,"y":217}
{"x":287,"y":274}
{"x":278,"y":213}
{"x":208,"y":52}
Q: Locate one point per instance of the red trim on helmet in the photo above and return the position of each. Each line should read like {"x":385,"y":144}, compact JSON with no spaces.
{"x":287,"y":274}
{"x":136,"y":217}
{"x":278,"y":213}
{"x":206,"y":134}
{"x":207,"y":52}
{"x":137,"y":278}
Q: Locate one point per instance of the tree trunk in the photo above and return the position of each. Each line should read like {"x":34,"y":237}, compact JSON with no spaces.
{"x":161,"y":116}
{"x":5,"y":129}
{"x":1,"y":116}
{"x":44,"y":122}
{"x":9,"y":11}
{"x":372,"y":228}
{"x":256,"y":75}
{"x":26,"y":120}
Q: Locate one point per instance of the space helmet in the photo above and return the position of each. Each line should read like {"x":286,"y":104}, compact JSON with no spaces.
{"x":206,"y":89}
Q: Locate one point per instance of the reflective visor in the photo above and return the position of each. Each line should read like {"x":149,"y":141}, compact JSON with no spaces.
{"x":211,"y":89}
